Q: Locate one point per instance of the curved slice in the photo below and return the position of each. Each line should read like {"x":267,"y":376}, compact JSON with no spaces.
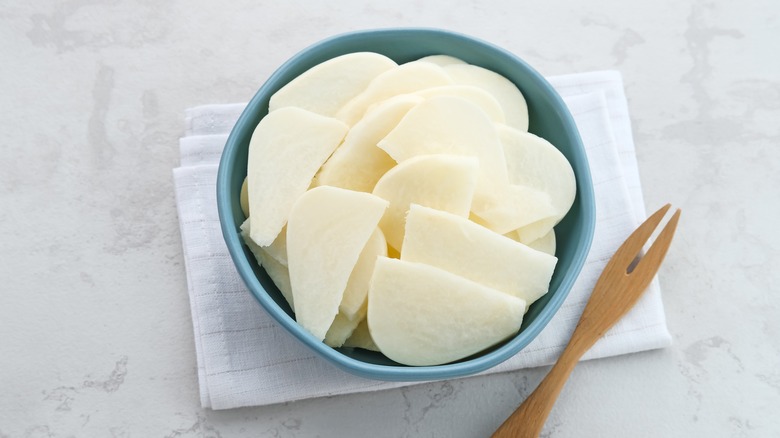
{"x":533,"y":162}
{"x":280,"y":276}
{"x":421,"y":315}
{"x":343,"y":78}
{"x":464,"y":248}
{"x":507,"y":93}
{"x":451,"y":125}
{"x":441,"y":60}
{"x":327,"y":231}
{"x":545,"y":243}
{"x":444,"y":182}
{"x":340,"y":330}
{"x":406,"y":78}
{"x":514,"y":207}
{"x":479,"y":97}
{"x":358,"y":163}
{"x":244,"y":198}
{"x":536,"y":230}
{"x":361,"y":338}
{"x":276,"y":270}
{"x":286,"y":150}
{"x":278,"y":248}
{"x":353,"y":303}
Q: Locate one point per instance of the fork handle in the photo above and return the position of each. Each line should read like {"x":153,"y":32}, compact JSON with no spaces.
{"x":528,"y":420}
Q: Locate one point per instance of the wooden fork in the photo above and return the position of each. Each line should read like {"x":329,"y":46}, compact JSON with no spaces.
{"x":617,"y":290}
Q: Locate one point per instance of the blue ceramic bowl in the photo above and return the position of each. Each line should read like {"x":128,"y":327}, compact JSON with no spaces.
{"x":549,"y":118}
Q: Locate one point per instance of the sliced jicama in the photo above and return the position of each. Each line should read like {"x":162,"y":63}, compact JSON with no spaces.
{"x":280,"y":276}
{"x":287,"y":148}
{"x":422,"y":315}
{"x":277,"y":271}
{"x":441,"y":60}
{"x":361,"y":337}
{"x":406,"y":78}
{"x":328,"y":86}
{"x":533,"y":162}
{"x":358,"y":163}
{"x":444,"y":182}
{"x":545,"y":243}
{"x":353,"y":303}
{"x":459,"y":246}
{"x":479,"y":97}
{"x":340,"y":330}
{"x":244,"y":198}
{"x":452,"y":125}
{"x":514,"y":207}
{"x":437,"y":132}
{"x":278,"y":248}
{"x":253,"y":247}
{"x":535,"y":231}
{"x":507,"y":93}
{"x":327,"y":230}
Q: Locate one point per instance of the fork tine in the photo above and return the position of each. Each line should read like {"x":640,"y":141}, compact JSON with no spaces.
{"x":631,"y":247}
{"x":649,"y":263}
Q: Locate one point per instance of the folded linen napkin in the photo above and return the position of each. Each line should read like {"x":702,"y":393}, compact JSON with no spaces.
{"x":245,"y":359}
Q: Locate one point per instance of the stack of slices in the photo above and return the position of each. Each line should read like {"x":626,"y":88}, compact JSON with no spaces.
{"x":404,"y":208}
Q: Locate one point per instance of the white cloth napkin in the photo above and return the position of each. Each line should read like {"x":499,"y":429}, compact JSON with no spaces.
{"x":245,"y":359}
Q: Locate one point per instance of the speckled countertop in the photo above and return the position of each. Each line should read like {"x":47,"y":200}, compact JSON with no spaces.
{"x":95,"y":331}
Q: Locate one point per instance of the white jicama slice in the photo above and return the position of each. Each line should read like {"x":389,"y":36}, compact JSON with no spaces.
{"x":327,"y":230}
{"x":244,"y":198}
{"x":479,"y":97}
{"x":326,"y":87}
{"x":440,"y":60}
{"x":452,"y":125}
{"x":278,"y":248}
{"x":533,"y":162}
{"x":406,"y":78}
{"x":253,"y":247}
{"x":464,"y":248}
{"x":353,"y":303}
{"x":280,"y":276}
{"x":545,"y":243}
{"x":358,"y":164}
{"x":340,"y":330}
{"x":277,"y":271}
{"x":535,"y":231}
{"x":353,"y":306}
{"x":514,"y":207}
{"x":507,"y":93}
{"x":287,"y":148}
{"x":361,"y":337}
{"x":444,"y":182}
{"x":422,"y":315}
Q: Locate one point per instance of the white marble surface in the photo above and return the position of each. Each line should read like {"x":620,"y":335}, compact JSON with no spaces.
{"x":95,"y":331}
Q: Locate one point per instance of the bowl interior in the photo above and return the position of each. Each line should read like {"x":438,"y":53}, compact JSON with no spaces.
{"x":549,"y":119}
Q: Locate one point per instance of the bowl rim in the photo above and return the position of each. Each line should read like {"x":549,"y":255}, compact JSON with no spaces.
{"x":401,"y":372}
